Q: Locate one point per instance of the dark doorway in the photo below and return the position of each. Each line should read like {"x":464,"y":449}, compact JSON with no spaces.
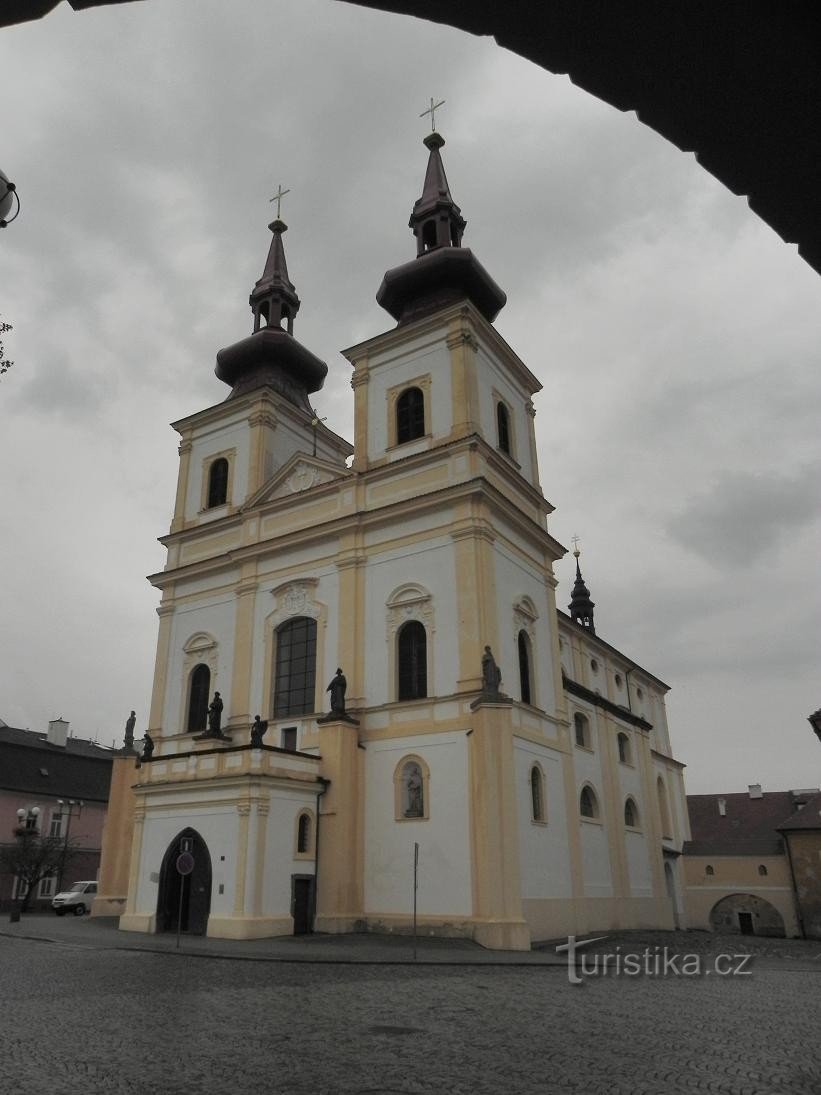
{"x":303,"y":891}
{"x":188,"y":895}
{"x":745,"y":923}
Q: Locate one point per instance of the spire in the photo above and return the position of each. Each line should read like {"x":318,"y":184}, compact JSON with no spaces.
{"x":436,"y":219}
{"x":443,"y":272}
{"x":581,"y":607}
{"x":273,"y":298}
{"x":271,"y":356}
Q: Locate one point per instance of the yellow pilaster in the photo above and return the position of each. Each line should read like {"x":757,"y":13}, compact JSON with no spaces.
{"x":134,"y":864}
{"x":531,"y":436}
{"x":497,"y":905}
{"x":263,"y":809}
{"x":244,"y":811}
{"x":118,"y":835}
{"x":245,"y":591}
{"x":165,"y":612}
{"x":462,"y":343}
{"x":350,"y":565}
{"x":185,"y":447}
{"x":475,"y":583}
{"x":261,"y":419}
{"x":339,"y":871}
{"x":359,"y":383}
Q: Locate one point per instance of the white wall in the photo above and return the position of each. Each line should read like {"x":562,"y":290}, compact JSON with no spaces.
{"x":214,"y":615}
{"x":206,"y":443}
{"x":543,"y":848}
{"x":493,"y":375}
{"x":415,"y":359}
{"x":444,"y":838}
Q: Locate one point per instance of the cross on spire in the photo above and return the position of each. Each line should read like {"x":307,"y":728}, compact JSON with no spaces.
{"x":432,"y":111}
{"x":576,"y":551}
{"x":280,"y":194}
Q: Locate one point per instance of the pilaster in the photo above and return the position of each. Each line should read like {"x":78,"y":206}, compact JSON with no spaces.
{"x":359,"y":383}
{"x":475,"y":581}
{"x":350,"y":564}
{"x":339,"y":898}
{"x":165,"y":611}
{"x":184,"y":449}
{"x":244,"y":639}
{"x":463,"y":344}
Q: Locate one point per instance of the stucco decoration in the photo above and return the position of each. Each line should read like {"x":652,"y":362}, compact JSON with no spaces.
{"x":409,"y":602}
{"x":295,"y":598}
{"x":524,"y":617}
{"x":201,"y":648}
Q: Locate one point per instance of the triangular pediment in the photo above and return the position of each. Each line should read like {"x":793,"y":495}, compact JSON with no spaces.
{"x":300,"y":473}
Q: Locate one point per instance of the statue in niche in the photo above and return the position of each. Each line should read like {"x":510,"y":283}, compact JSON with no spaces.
{"x":258,"y":731}
{"x":413,"y":789}
{"x":148,"y":746}
{"x":128,"y":739}
{"x":215,"y":716}
{"x":338,"y":688}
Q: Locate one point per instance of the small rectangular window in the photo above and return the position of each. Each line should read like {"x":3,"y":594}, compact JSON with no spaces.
{"x":289,"y":739}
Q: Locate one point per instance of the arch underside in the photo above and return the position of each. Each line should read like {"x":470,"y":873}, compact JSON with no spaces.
{"x":737,"y":87}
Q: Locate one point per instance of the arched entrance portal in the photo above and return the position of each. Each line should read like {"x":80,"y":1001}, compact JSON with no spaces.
{"x":185,"y":897}
{"x":746,"y":914}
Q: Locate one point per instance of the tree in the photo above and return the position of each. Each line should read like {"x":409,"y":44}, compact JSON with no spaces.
{"x":33,"y":857}
{"x":5,"y":364}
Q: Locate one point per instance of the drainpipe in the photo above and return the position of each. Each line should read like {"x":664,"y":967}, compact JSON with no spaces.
{"x":798,"y":915}
{"x":319,"y":795}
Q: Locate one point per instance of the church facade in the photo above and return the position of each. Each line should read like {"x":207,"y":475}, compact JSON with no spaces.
{"x":470,"y":728}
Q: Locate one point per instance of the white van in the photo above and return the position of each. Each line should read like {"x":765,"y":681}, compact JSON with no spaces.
{"x":77,"y":900}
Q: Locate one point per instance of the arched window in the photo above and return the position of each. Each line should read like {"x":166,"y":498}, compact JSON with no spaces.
{"x":588,"y":803}
{"x":524,"y":666}
{"x":537,"y":794}
{"x":429,"y":234}
{"x":664,"y":810}
{"x":412,"y":664}
{"x":295,"y":687}
{"x":218,"y":483}
{"x":709,"y":871}
{"x":503,"y":427}
{"x":303,"y":834}
{"x":762,"y":870}
{"x":581,"y":725}
{"x":631,"y":814}
{"x":199,"y":688}
{"x":624,"y":749}
{"x":410,"y":415}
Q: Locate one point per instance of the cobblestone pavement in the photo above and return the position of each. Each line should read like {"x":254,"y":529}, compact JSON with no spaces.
{"x":91,"y":1020}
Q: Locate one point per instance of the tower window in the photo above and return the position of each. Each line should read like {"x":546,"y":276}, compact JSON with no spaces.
{"x":631,"y":814}
{"x":410,"y":415}
{"x":536,"y":794}
{"x":762,"y":870}
{"x":218,"y":483}
{"x":303,"y":835}
{"x":524,"y":666}
{"x":709,"y":871}
{"x":198,"y":691}
{"x":581,"y":726}
{"x":429,"y":235}
{"x":295,"y":688}
{"x":412,"y":662}
{"x":503,"y":427}
{"x":588,"y":804}
{"x":624,"y":749}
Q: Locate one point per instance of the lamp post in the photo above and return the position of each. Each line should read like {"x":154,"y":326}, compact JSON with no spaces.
{"x":72,"y":802}
{"x":26,"y":824}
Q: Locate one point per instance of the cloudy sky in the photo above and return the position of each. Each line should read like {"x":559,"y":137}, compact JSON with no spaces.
{"x":675,"y":335}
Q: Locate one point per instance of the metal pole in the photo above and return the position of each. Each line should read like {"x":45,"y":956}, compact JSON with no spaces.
{"x":415,"y":884}
{"x":179,"y":910}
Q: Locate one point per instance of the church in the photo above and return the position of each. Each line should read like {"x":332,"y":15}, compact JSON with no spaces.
{"x":366,"y":704}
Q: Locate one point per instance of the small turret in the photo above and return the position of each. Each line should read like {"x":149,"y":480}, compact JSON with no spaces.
{"x":581,"y":607}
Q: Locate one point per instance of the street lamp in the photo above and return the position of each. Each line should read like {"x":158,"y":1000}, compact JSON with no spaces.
{"x":27,"y":819}
{"x":8,"y":196}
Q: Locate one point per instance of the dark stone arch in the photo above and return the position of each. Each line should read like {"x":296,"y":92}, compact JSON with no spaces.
{"x":195,"y":889}
{"x":746,"y":914}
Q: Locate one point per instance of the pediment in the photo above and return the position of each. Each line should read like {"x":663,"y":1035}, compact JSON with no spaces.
{"x":298,"y":474}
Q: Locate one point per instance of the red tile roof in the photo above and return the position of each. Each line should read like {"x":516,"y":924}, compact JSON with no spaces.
{"x":806,"y":817}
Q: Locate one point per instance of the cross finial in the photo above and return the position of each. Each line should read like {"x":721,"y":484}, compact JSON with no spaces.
{"x":280,"y":194}
{"x":432,"y":111}
{"x":576,"y":551}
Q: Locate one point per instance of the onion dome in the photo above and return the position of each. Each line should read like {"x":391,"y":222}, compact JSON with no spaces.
{"x":443,"y":271}
{"x":271,"y":357}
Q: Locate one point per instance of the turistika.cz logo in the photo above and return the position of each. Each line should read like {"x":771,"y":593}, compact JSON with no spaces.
{"x":650,"y":962}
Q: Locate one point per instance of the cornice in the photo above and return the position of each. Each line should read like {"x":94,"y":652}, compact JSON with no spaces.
{"x":594,"y":698}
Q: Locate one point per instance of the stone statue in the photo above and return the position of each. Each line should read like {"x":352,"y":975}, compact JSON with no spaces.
{"x":491,"y":673}
{"x":258,"y":731}
{"x":128,"y":740}
{"x":415,"y":808}
{"x":337,"y":688}
{"x":148,"y":746}
{"x":215,"y":716}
